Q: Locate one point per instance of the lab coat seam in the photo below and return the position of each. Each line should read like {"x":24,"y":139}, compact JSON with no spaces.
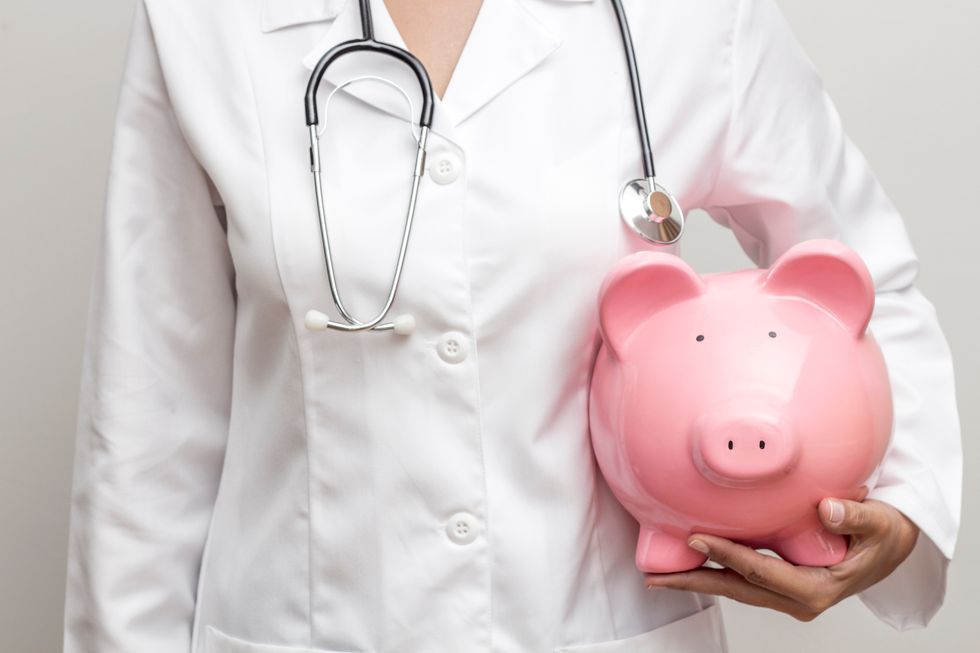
{"x":733,"y":100}
{"x":479,"y":401}
{"x":598,"y":542}
{"x":206,"y":557}
{"x":196,"y":151}
{"x":623,"y":120}
{"x":249,"y":64}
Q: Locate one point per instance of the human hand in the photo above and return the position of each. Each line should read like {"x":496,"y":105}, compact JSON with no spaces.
{"x":881,"y":537}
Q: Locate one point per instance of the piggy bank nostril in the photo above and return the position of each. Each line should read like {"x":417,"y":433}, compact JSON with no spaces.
{"x":762,"y":444}
{"x":731,"y":445}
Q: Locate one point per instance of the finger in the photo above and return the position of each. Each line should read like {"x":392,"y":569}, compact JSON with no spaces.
{"x":850,"y":517}
{"x":728,"y":583}
{"x":765,"y":571}
{"x":873,"y":552}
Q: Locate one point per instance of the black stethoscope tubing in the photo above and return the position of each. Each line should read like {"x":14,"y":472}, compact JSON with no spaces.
{"x":369,"y":44}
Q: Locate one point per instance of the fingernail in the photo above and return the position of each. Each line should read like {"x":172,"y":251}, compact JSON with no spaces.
{"x":698,"y":546}
{"x":836,"y":511}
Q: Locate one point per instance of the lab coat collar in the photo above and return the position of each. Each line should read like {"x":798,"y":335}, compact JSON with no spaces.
{"x":276,"y":14}
{"x":489,"y":63}
{"x":506,"y":43}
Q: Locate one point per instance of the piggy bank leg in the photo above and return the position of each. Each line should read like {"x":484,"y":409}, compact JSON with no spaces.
{"x":813,"y":548}
{"x":659,"y":553}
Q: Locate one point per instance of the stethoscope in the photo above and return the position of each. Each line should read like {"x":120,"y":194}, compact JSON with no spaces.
{"x":644,"y":205}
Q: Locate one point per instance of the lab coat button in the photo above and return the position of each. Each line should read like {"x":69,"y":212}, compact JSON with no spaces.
{"x":452,"y":347}
{"x":461,"y":528}
{"x":444,"y":167}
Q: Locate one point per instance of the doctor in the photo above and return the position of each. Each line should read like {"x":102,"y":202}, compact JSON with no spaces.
{"x":244,"y":484}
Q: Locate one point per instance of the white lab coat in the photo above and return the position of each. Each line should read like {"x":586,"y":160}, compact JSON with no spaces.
{"x":245,"y":485}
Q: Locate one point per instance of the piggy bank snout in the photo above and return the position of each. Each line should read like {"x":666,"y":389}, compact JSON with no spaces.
{"x":744,"y":450}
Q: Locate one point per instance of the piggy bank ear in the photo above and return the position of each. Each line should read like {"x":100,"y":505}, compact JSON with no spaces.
{"x":638,"y":286}
{"x":829,"y":274}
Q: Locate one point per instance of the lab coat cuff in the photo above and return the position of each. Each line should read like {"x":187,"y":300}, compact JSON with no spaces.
{"x":912,"y":594}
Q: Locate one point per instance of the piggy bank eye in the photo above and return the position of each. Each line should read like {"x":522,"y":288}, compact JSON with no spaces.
{"x":772,"y":334}
{"x":699,"y":338}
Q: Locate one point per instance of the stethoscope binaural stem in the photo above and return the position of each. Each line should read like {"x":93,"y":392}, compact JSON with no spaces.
{"x":315,"y":319}
{"x":361,"y":45}
{"x":374,"y":323}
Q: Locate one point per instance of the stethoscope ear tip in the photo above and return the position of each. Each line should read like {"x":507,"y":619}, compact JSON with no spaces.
{"x":404,"y":324}
{"x":316,"y":320}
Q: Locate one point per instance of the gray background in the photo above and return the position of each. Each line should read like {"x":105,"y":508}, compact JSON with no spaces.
{"x":903,"y":73}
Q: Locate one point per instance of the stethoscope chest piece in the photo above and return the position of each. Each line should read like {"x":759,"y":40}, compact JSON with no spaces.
{"x":651,"y":212}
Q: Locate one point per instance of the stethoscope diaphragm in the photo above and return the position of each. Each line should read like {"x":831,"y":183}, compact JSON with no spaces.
{"x":651,"y":212}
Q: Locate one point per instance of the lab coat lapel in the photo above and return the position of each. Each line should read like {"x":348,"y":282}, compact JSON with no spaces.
{"x":507,"y":41}
{"x":276,"y":14}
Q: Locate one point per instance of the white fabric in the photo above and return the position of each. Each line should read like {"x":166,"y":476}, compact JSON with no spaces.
{"x":245,"y":484}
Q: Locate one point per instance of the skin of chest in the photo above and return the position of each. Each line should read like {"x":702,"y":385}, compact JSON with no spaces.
{"x":435,"y":31}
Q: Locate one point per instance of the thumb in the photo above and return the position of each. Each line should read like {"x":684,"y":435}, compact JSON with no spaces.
{"x":843,"y":516}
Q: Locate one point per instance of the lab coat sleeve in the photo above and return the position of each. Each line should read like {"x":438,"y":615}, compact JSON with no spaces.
{"x":155,"y":388}
{"x":789,"y":172}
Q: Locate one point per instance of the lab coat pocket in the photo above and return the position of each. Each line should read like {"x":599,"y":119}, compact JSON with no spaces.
{"x":218,"y":642}
{"x":700,"y":632}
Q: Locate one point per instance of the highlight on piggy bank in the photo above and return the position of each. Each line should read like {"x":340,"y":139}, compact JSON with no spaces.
{"x":732,"y":403}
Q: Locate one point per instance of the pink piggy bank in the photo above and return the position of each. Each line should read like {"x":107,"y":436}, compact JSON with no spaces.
{"x":731,"y":404}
